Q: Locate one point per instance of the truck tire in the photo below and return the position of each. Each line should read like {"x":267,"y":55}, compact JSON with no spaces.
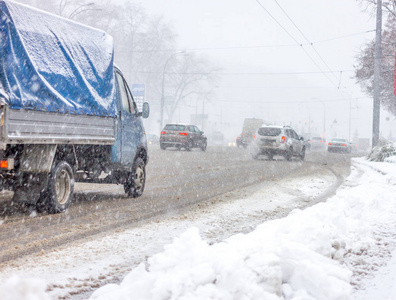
{"x":136,"y":179}
{"x":59,"y":194}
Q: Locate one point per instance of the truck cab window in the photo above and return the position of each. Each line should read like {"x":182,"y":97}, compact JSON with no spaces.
{"x":132,"y":103}
{"x":123,"y":93}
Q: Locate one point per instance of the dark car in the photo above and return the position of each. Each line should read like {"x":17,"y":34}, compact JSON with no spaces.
{"x":339,"y":145}
{"x":182,"y":136}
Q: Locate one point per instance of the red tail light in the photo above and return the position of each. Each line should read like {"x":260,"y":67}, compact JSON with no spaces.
{"x":163,"y":132}
{"x":254,"y":137}
{"x":183,"y":133}
{"x":330,"y":144}
{"x":283,"y":139}
{"x":344,"y":145}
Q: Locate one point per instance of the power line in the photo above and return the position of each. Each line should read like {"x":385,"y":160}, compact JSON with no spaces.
{"x":295,"y":40}
{"x":261,"y":46}
{"x":258,"y":46}
{"x":287,"y":32}
{"x":344,"y":36}
{"x":291,"y":102}
{"x":275,"y":87}
{"x":245,"y":73}
{"x":313,"y":47}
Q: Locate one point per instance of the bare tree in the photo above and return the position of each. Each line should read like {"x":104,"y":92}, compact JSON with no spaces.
{"x":193,"y":78}
{"x":370,"y":5}
{"x":364,"y":68}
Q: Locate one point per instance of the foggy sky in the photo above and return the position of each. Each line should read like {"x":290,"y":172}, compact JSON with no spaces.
{"x":282,"y":72}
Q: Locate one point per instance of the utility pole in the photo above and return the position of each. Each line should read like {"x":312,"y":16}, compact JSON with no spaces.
{"x":377,"y":75}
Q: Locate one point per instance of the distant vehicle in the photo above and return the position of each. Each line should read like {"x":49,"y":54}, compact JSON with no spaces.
{"x":354,"y":147}
{"x":339,"y":145}
{"x":364,"y":144}
{"x":182,"y":136}
{"x":231,"y":144}
{"x":216,"y":138}
{"x":238,"y":141}
{"x":277,"y":140}
{"x":152,"y":139}
{"x":250,"y":126}
{"x":317,"y":143}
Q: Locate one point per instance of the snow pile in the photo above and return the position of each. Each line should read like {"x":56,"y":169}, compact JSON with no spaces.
{"x":244,"y":266}
{"x":390,"y":159}
{"x":16,"y":288}
{"x":382,"y":152}
{"x":317,"y":253}
{"x":298,"y":257}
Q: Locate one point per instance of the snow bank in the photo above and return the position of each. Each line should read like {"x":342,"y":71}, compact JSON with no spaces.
{"x":298,"y":257}
{"x":310,"y":254}
{"x":382,"y":152}
{"x":17,"y":288}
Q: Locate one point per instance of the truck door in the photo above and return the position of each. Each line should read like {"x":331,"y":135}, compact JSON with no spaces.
{"x":131,"y":129}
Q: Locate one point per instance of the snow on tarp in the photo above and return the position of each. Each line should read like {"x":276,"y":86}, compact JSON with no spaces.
{"x":49,"y":63}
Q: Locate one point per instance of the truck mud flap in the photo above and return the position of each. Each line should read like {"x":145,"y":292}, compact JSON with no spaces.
{"x":30,"y":188}
{"x":37,"y":158}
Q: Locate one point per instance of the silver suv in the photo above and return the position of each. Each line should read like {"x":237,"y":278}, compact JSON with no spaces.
{"x":277,"y":140}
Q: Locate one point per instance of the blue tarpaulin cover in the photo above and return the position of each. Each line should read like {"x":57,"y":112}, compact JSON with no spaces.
{"x":49,"y":63}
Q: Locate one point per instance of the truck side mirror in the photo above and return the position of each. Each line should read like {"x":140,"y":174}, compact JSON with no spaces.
{"x":146,"y":110}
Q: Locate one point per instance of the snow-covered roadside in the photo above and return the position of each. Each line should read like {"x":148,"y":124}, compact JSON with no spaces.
{"x":310,"y":254}
{"x":81,"y":268}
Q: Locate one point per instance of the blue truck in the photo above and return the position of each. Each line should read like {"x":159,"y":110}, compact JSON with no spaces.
{"x":66,"y":111}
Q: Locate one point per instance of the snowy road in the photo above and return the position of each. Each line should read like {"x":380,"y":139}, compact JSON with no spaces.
{"x":176,"y":180}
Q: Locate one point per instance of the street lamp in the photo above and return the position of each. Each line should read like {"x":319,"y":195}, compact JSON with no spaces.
{"x":163,"y":85}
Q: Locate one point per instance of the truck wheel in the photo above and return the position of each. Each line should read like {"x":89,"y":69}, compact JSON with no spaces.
{"x":136,"y":179}
{"x":162,"y":146}
{"x":203,"y":146}
{"x":59,"y":194}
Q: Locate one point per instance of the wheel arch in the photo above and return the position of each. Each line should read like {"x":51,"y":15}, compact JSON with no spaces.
{"x":142,"y":153}
{"x":68,"y":154}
